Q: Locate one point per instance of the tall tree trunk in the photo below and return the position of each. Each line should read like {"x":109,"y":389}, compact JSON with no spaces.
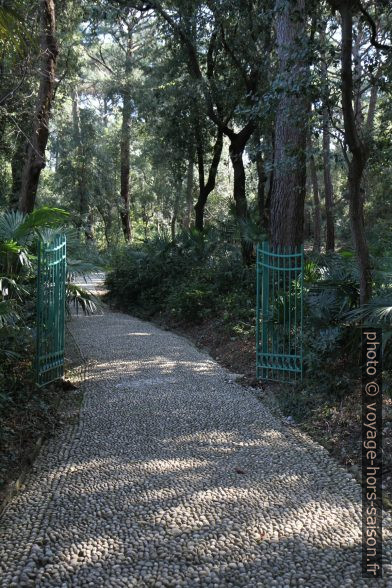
{"x":261,"y":181}
{"x":80,"y":167}
{"x":205,"y":189}
{"x":371,"y":111}
{"x":357,"y":77}
{"x":328,"y":186}
{"x":261,"y":178}
{"x":35,"y":156}
{"x":316,"y":204}
{"x":358,"y":150}
{"x":189,"y":191}
{"x":126,"y":145}
{"x":327,"y":177}
{"x":174,"y":217}
{"x":289,"y":184}
{"x":237,"y":145}
{"x":16,"y":170}
{"x":106,"y":216}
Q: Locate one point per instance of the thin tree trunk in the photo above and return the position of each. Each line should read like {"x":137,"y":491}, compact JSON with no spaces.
{"x":205,"y":189}
{"x":261,"y":178}
{"x":126,"y":145}
{"x":189,"y":191}
{"x":17,"y":170}
{"x":371,"y":111}
{"x":369,"y":129}
{"x":89,"y":228}
{"x":328,"y":186}
{"x":359,"y":154}
{"x":173,"y":221}
{"x":316,"y":205}
{"x":107,"y":222}
{"x":327,"y":177}
{"x":80,"y":169}
{"x":35,"y":157}
{"x":357,"y":77}
{"x":289,"y":184}
{"x":237,"y":145}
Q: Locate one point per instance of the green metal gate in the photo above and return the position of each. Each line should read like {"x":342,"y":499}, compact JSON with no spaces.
{"x":50,"y":310}
{"x":279,"y":313}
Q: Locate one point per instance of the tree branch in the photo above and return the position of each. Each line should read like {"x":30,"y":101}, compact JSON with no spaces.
{"x":373,"y":28}
{"x":102,"y":63}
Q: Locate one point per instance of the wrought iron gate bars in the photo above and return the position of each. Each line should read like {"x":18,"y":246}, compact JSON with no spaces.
{"x":50,"y":324}
{"x":279,"y":313}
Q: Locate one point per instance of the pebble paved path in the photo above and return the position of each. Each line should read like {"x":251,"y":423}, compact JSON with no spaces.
{"x":178,"y":476}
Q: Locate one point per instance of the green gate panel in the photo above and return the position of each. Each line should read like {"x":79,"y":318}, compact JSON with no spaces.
{"x":50,"y":326}
{"x":279,"y":313}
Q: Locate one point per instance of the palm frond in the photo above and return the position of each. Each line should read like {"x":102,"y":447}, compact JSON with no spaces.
{"x":80,"y":298}
{"x":41,"y":218}
{"x":18,"y":227}
{"x":377,"y":311}
{"x":10,"y":222}
{"x":8,"y":314}
{"x":10,"y":288}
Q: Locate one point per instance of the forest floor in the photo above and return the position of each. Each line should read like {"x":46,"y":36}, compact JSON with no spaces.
{"x":177,"y":475}
{"x":333,"y":422}
{"x":34,"y":420}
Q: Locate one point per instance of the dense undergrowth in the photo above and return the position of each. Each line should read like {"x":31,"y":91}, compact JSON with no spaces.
{"x":197,"y":279}
{"x":192,"y":279}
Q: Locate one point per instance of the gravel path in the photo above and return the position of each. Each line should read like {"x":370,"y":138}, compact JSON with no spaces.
{"x":177,"y":476}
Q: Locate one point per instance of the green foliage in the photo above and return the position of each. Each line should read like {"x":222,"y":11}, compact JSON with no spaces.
{"x":190,"y":279}
{"x":13,"y":32}
{"x":80,"y":298}
{"x":333,"y":317}
{"x":18,"y":268}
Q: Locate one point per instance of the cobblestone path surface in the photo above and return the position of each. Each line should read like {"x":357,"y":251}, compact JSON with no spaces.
{"x":178,"y":476}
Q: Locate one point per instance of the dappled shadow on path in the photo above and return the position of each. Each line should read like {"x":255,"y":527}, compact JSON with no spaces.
{"x":177,"y":476}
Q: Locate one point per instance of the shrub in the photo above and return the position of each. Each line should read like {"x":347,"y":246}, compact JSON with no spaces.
{"x":190,"y":279}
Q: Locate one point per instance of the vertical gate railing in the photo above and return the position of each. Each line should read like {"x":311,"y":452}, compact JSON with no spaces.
{"x":279,"y":313}
{"x":51,"y":281}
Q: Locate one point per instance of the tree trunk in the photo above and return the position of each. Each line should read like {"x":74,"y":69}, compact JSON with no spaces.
{"x":205,"y":189}
{"x":359,"y":154}
{"x":267,"y":203}
{"x":80,"y":167}
{"x":238,"y":142}
{"x":16,"y":169}
{"x":126,"y":145}
{"x":261,"y":178}
{"x":316,"y":205}
{"x":357,"y":77}
{"x":327,"y":177}
{"x":35,"y":157}
{"x":106,"y":216}
{"x":328,"y":187}
{"x":371,"y":111}
{"x":89,"y":228}
{"x":289,"y":183}
{"x":173,"y":221}
{"x":189,"y":192}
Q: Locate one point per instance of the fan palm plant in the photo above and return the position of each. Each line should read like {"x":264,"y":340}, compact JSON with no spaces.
{"x":18,"y":237}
